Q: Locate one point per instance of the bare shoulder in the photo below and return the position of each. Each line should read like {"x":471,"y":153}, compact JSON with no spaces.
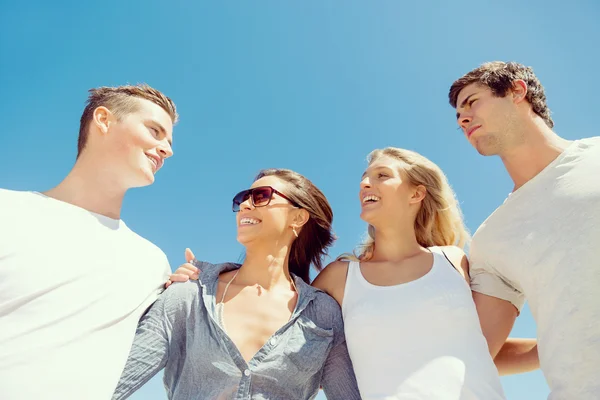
{"x":332,"y":279}
{"x":332,"y":275}
{"x":458,"y":258}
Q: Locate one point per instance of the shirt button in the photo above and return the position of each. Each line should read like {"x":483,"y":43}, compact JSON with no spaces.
{"x":273,"y":341}
{"x":247,"y":372}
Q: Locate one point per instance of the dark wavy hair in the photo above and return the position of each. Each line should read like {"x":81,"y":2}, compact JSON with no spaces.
{"x":499,"y":77}
{"x":316,"y":236}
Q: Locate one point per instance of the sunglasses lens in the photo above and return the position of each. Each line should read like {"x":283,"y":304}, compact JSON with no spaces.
{"x":261,"y":196}
{"x":239,"y":199}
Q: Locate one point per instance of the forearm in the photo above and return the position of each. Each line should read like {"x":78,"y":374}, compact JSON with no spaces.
{"x":149,"y":352}
{"x":517,"y":356}
{"x":147,"y":357}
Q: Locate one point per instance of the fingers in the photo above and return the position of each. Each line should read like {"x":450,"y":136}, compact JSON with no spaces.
{"x":187,"y":269}
{"x":189,"y":256}
{"x":179,"y":278}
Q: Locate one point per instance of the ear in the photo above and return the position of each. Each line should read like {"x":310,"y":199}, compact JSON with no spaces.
{"x":519,"y":91}
{"x":418,"y":194}
{"x":102,"y":118}
{"x":301,"y":217}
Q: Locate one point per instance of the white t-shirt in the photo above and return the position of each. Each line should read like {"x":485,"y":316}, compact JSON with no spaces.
{"x":543,"y":245}
{"x":73,"y":285}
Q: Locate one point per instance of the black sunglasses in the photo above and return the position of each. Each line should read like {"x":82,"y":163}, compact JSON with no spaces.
{"x":260,"y":196}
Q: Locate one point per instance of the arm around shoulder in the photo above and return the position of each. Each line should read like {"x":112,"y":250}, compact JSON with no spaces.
{"x":332,"y":280}
{"x":517,"y":356}
{"x":155,"y":336}
{"x":338,"y":379}
{"x":497,"y":317}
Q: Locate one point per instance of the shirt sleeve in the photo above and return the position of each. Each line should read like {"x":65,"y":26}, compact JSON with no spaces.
{"x":338,"y":380}
{"x":486,"y":281}
{"x":150,"y":350}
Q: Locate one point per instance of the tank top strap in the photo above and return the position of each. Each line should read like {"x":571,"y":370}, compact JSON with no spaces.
{"x":353,"y":276}
{"x":353,"y":266}
{"x":352,"y":284}
{"x":437,"y":250}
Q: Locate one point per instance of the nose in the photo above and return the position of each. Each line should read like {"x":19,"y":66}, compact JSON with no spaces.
{"x":165,"y":150}
{"x":246,"y":205}
{"x":464,"y":121}
{"x":365,"y":183}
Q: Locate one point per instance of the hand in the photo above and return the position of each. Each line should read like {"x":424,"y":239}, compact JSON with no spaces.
{"x":185,"y":271}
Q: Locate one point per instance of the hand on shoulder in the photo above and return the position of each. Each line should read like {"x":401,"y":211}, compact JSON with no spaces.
{"x":185,"y":271}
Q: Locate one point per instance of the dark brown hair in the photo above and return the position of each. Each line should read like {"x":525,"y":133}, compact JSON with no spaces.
{"x":121,"y":100}
{"x":499,"y":77}
{"x":316,"y":236}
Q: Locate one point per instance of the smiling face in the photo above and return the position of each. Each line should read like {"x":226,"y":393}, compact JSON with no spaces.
{"x":139,"y":143}
{"x":386,"y":194}
{"x":270,"y":223}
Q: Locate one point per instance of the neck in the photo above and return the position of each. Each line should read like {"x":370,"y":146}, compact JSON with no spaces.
{"x":91,"y":188}
{"x":395,"y":243}
{"x":540,"y":146}
{"x":267,"y":267}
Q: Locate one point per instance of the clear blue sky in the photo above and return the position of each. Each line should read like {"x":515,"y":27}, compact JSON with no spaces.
{"x":311,"y":86}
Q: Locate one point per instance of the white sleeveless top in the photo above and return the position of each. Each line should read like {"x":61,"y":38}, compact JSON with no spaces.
{"x":419,"y":340}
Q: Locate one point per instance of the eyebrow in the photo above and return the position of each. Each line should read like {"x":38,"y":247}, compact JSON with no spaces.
{"x":464,"y":102}
{"x":375,"y":169}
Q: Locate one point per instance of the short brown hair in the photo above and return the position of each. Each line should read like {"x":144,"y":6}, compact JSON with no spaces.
{"x":120,"y":100}
{"x":316,"y":235}
{"x":499,"y":77}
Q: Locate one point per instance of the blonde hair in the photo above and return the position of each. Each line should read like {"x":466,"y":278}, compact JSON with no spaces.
{"x":439,"y":221}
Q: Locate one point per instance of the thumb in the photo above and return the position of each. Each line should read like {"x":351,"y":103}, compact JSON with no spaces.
{"x":189,"y":256}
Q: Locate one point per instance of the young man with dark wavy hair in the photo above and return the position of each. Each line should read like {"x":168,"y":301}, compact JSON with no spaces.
{"x":543,"y":243}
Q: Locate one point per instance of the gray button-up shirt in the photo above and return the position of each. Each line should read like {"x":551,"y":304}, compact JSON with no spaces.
{"x":180,"y":333}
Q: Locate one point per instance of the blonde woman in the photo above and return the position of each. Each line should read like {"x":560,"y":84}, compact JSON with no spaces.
{"x":410,"y":321}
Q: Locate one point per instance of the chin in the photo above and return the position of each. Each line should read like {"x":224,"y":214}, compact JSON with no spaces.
{"x":366,"y":215}
{"x":144,"y":182}
{"x":486,"y":145}
{"x":486,"y":152}
{"x":243,"y":239}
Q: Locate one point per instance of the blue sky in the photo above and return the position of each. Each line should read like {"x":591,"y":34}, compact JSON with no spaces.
{"x":311,"y":86}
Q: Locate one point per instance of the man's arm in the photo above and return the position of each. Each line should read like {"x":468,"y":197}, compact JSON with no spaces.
{"x":497,"y":318}
{"x":517,"y":356}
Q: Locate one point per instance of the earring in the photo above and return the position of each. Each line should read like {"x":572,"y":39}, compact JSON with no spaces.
{"x":294,"y":230}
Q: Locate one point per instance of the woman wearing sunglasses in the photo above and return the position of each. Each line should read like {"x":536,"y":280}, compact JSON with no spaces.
{"x":259,"y":330}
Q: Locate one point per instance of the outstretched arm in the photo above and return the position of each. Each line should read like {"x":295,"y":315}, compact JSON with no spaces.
{"x":149,"y":352}
{"x":160,"y":339}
